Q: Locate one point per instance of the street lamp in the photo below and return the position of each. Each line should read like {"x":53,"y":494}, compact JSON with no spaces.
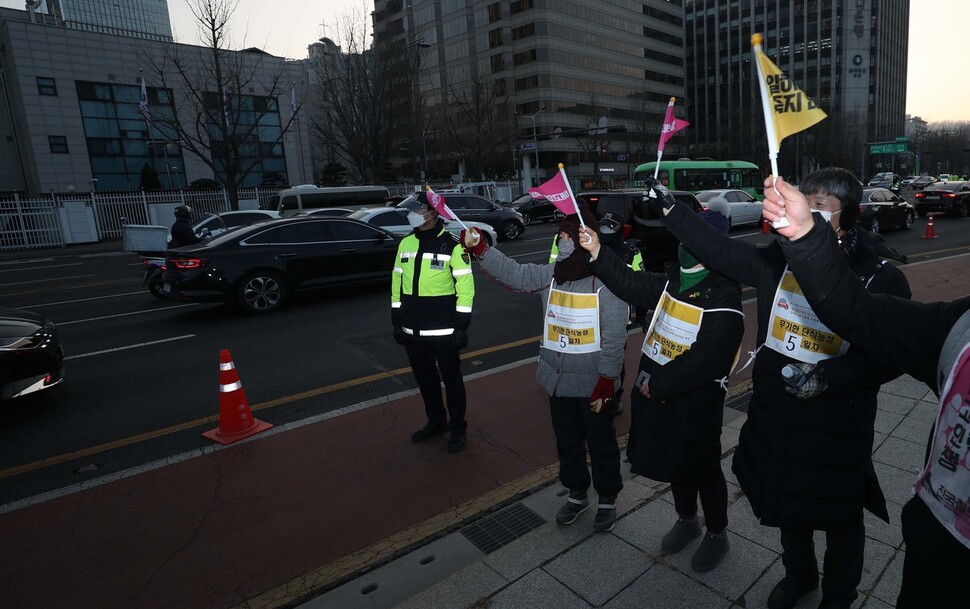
{"x":535,"y":141}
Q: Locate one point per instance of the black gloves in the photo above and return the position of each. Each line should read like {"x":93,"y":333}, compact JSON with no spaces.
{"x":459,"y":339}
{"x":657,"y":197}
{"x":398,"y":335}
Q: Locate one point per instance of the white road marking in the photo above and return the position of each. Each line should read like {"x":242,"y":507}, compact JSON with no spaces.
{"x":37,"y":268}
{"x":154,"y":342}
{"x":63,"y":302}
{"x":3,"y":285}
{"x":81,"y":321}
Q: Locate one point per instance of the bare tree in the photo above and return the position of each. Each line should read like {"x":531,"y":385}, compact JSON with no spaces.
{"x":354,"y":87}
{"x":479,"y":126}
{"x":227,"y":107}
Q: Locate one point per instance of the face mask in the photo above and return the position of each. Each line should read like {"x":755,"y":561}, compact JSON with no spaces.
{"x":686,"y":258}
{"x":566,"y":248}
{"x":415,"y":220}
{"x":826,"y":215}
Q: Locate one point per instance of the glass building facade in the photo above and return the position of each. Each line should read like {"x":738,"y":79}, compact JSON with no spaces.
{"x":133,"y":18}
{"x":121,"y":141}
{"x":254,"y":124}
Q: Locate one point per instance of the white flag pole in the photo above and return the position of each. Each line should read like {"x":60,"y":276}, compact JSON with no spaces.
{"x":562,"y":172}
{"x":773,"y":146}
{"x":660,"y":147}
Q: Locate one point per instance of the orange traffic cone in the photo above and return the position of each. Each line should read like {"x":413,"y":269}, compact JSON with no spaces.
{"x":765,"y":226}
{"x":930,"y":229}
{"x":235,"y":418}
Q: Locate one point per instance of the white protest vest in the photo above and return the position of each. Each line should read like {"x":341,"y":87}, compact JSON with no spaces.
{"x":572,"y":322}
{"x":673,"y":329}
{"x":795,"y":331}
{"x":944,"y":485}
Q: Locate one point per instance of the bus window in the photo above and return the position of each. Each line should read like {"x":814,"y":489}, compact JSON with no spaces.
{"x":288,"y":204}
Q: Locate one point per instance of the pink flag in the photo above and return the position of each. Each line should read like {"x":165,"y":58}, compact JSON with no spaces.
{"x":557,"y":192}
{"x":438,"y":203}
{"x":671,"y":126}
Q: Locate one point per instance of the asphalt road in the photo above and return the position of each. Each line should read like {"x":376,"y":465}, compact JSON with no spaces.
{"x":142,"y":374}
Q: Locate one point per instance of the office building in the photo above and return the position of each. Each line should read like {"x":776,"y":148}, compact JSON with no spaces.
{"x":850,"y":56}
{"x":132,"y":18}
{"x":579,"y":82}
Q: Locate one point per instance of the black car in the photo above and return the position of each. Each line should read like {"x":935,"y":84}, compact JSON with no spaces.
{"x":949,"y":197}
{"x":261,"y":265}
{"x":31,"y":358}
{"x":535,"y":210}
{"x":657,"y":245}
{"x":880,"y":209}
{"x":508,"y":223}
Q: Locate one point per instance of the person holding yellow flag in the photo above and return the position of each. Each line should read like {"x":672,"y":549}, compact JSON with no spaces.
{"x":580,"y":358}
{"x":804,"y":455}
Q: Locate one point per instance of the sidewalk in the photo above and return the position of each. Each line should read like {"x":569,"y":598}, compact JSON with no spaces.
{"x":559,"y":567}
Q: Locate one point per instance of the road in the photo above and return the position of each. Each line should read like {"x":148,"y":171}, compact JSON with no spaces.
{"x":142,"y":374}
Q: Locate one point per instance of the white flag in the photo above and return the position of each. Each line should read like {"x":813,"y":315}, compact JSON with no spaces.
{"x":143,"y":102}
{"x":293,"y":99}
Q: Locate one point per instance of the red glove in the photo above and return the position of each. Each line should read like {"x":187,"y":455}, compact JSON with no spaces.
{"x":602,"y":394}
{"x":473,"y":242}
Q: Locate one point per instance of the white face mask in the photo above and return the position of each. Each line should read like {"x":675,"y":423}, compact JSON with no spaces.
{"x":415,"y":220}
{"x":826,"y":214}
{"x":566,"y":248}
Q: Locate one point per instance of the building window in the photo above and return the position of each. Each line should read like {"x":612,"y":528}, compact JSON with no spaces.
{"x":519,"y":6}
{"x":498,"y":63}
{"x":58,"y":144}
{"x":494,"y":12}
{"x":524,"y":57}
{"x":46,"y":86}
{"x":495,"y":38}
{"x":529,"y":29}
{"x":529,"y":82}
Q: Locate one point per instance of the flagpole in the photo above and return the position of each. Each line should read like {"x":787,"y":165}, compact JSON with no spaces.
{"x":770,"y":131}
{"x":562,"y":172}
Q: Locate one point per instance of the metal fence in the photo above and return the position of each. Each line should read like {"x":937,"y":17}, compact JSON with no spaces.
{"x":47,"y":221}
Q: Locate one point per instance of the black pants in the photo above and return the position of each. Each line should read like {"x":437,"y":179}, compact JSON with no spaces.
{"x":936,"y":564}
{"x":713,"y":494}
{"x":842,"y":567}
{"x":427,"y":358}
{"x":576,"y":429}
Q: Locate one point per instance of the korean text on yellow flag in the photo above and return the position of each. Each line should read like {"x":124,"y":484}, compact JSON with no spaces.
{"x":793,"y":110}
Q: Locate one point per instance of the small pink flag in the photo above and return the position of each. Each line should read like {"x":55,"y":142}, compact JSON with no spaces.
{"x":671,"y":126}
{"x":557,"y":192}
{"x":438,"y":203}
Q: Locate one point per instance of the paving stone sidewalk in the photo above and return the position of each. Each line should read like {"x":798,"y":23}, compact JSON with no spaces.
{"x":558,"y":567}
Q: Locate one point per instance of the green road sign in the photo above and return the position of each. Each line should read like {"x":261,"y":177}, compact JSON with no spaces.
{"x":888,"y":147}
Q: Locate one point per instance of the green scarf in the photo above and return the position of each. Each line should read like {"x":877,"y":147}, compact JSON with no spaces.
{"x":689,"y":278}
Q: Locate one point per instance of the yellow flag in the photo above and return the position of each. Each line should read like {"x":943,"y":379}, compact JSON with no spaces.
{"x":792,"y":110}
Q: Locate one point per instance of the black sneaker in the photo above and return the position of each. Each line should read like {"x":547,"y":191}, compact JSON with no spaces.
{"x":684,"y":531}
{"x":605,"y":515}
{"x":427,"y":432}
{"x":787,"y":592}
{"x":457,"y":440}
{"x":576,"y":504}
{"x":709,"y":554}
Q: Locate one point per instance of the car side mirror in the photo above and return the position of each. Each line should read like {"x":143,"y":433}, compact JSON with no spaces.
{"x":206,"y":233}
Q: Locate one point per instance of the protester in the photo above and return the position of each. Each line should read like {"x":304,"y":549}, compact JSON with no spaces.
{"x":678,"y":398}
{"x":931,"y":342}
{"x":432,"y":289}
{"x":804,"y":455}
{"x":582,"y":349}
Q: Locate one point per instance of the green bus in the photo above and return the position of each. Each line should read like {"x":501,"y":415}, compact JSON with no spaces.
{"x":704,"y":175}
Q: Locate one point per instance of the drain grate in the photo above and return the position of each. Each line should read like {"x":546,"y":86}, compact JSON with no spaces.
{"x":502,"y":527}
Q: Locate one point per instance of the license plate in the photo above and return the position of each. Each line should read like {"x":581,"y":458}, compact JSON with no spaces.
{"x":931,"y":198}
{"x":167,"y":288}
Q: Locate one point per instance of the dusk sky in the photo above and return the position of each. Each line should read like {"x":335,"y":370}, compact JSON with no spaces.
{"x":937,"y":90}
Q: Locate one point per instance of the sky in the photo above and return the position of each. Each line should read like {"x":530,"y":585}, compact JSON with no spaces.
{"x":937,"y":88}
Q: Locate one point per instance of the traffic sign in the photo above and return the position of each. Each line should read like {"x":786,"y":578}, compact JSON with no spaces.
{"x":888,"y":147}
{"x":527,"y":146}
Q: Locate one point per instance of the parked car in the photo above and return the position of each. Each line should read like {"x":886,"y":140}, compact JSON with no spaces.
{"x":31,"y":358}
{"x":393,"y":221}
{"x":621,"y":202}
{"x":881,"y":209}
{"x":923,"y":182}
{"x":908,"y":180}
{"x":260,"y":266}
{"x":217,"y":224}
{"x":744,"y":208}
{"x":950,"y":197}
{"x":535,"y":210}
{"x":327,"y":211}
{"x":507,"y":223}
{"x":886,"y":179}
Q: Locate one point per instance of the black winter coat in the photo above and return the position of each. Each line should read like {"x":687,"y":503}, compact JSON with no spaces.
{"x":182,"y":234}
{"x":675,"y":435}
{"x":802,"y":463}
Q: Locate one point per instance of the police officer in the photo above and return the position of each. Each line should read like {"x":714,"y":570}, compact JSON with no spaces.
{"x":182,"y":233}
{"x":432,"y":289}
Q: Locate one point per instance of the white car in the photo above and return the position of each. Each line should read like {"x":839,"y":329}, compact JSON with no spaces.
{"x":393,"y":221}
{"x":744,"y":208}
{"x":216,"y":224}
